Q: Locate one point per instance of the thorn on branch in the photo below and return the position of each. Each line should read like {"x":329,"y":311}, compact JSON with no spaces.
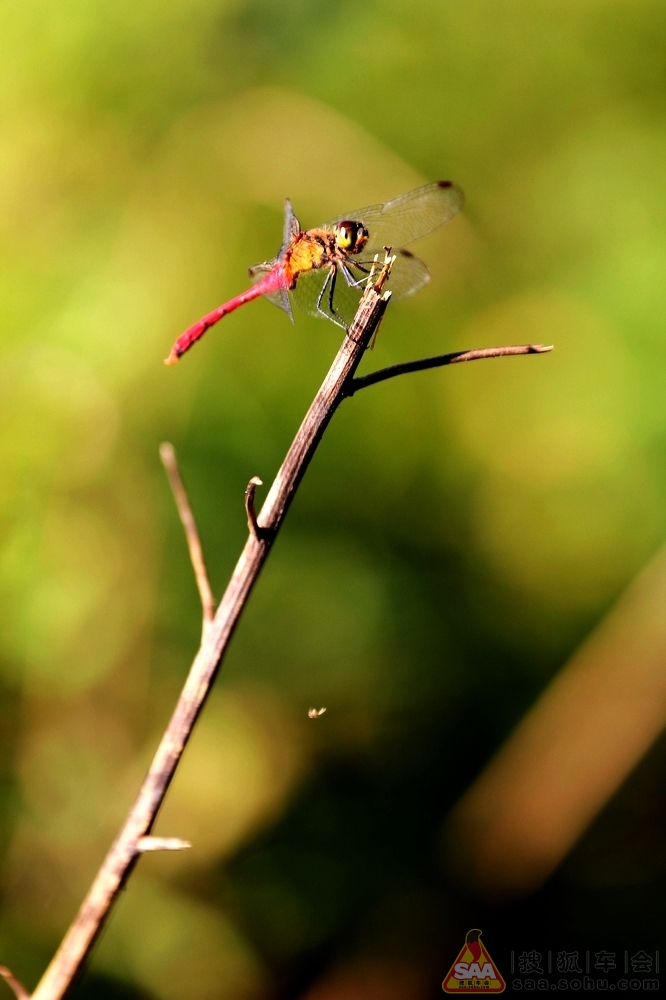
{"x":147,"y":844}
{"x":252,"y":523}
{"x":170,"y":463}
{"x":19,"y":990}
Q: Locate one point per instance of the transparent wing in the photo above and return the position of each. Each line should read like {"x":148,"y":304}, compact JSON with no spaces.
{"x":312,"y":295}
{"x":280,"y":298}
{"x":257,"y":271}
{"x":308,"y":289}
{"x":408,"y":274}
{"x":402,"y":220}
{"x":292,"y":227}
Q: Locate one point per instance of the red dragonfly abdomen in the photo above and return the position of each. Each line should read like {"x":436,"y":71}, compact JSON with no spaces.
{"x":271,"y":282}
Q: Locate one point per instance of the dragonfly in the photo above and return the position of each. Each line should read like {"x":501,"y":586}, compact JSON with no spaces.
{"x":325,"y":270}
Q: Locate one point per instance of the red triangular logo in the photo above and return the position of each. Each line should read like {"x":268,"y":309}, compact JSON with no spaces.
{"x":473,"y":970}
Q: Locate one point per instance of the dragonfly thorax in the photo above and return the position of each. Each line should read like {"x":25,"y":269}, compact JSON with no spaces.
{"x":309,"y":251}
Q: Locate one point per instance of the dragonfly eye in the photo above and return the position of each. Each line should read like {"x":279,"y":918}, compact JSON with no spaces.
{"x":351,"y":236}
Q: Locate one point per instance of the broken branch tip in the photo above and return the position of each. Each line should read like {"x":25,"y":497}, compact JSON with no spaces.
{"x":148,"y":844}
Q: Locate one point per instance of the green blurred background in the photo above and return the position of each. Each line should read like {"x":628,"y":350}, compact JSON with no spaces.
{"x":458,"y":535}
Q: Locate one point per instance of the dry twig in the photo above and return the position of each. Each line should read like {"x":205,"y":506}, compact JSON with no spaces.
{"x":134,"y":837}
{"x":170,"y":463}
{"x":442,"y":359}
{"x":19,"y":990}
{"x":123,"y":854}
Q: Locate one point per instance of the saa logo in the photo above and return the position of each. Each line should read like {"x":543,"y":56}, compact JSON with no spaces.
{"x":473,"y":970}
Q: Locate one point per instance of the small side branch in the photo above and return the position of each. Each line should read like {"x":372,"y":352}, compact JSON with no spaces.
{"x":252,"y":523}
{"x":19,"y":990}
{"x":170,"y":463}
{"x":442,"y":359}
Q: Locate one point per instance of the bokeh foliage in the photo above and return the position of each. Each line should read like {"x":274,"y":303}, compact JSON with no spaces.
{"x":457,"y":535}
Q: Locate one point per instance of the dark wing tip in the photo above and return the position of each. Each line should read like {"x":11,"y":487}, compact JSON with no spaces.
{"x":456,"y":194}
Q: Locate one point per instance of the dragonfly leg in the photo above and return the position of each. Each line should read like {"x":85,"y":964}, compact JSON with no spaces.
{"x":330,"y":312}
{"x":322,"y":291}
{"x":331,"y":290}
{"x":349,"y":277}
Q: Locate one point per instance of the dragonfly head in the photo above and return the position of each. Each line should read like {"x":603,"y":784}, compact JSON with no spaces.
{"x":351,"y":236}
